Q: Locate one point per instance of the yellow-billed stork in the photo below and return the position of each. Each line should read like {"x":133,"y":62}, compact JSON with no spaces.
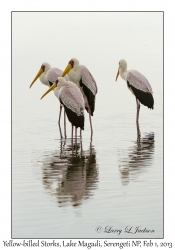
{"x":81,"y":76}
{"x":72,"y":99}
{"x":138,"y":85}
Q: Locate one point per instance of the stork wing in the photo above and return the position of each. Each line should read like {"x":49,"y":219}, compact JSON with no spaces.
{"x":138,"y":81}
{"x":70,"y":95}
{"x":88,"y":80}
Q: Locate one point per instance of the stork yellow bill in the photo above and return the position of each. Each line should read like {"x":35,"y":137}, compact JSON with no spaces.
{"x":67,"y":69}
{"x":49,"y":90}
{"x":117,"y":74}
{"x":37,"y":76}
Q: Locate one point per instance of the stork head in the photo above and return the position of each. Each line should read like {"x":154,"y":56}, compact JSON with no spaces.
{"x":44,"y":68}
{"x":72,"y":64}
{"x":57,"y":84}
{"x":122,"y":67}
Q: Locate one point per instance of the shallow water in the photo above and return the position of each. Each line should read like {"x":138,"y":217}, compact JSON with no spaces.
{"x":112,"y":186}
{"x":115,"y":180}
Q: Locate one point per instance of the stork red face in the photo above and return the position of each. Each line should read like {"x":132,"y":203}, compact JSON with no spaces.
{"x":71,"y":62}
{"x":43,"y":67}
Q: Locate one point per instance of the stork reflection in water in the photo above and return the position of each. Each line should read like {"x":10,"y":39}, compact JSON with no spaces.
{"x":71,"y":177}
{"x":136,"y":159}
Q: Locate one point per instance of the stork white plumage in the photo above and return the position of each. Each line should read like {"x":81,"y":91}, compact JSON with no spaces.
{"x":48,"y":76}
{"x":72,"y":99}
{"x":81,"y":76}
{"x":138,"y":85}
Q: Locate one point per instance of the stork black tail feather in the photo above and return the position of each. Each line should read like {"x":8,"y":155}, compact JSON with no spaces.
{"x":76,"y":120}
{"x":90,"y":97}
{"x":146,"y":98}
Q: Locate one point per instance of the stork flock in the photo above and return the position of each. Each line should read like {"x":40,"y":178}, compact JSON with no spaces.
{"x":76,"y":89}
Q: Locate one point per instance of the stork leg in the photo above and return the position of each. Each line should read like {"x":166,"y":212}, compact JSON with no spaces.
{"x":91,"y":126}
{"x":65,"y":123}
{"x":76,"y":138}
{"x":72,"y":131}
{"x":89,"y":111}
{"x":138,"y":132}
{"x":59,"y":121}
{"x":138,"y":109}
{"x":72,"y":137}
{"x":80,"y":134}
{"x":81,"y":147}
{"x":76,"y":133}
{"x":90,"y":123}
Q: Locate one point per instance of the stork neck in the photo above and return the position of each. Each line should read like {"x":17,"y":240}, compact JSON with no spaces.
{"x":75,"y":67}
{"x":43,"y":79}
{"x":75,"y":75}
{"x":57,"y":89}
{"x":123,"y":74}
